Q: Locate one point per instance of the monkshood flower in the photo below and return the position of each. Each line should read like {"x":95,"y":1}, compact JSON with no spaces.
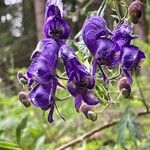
{"x":94,"y":28}
{"x":42,"y":68}
{"x":52,"y":10}
{"x":43,"y":96}
{"x":123,"y":35}
{"x":107,"y":54}
{"x":55,"y":26}
{"x":80,"y":83}
{"x":130,"y":60}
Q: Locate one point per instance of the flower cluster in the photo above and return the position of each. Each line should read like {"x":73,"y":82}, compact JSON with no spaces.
{"x":41,"y":75}
{"x":109,"y":49}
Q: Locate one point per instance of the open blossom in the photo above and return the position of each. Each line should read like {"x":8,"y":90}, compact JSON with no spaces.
{"x":55,"y":26}
{"x":104,"y":50}
{"x":42,"y":68}
{"x":123,"y":35}
{"x":42,"y":71}
{"x":52,"y":10}
{"x":94,"y":28}
{"x":130,"y":60}
{"x":80,"y":83}
{"x":131,"y":55}
{"x":107,"y":53}
{"x":43,"y":96}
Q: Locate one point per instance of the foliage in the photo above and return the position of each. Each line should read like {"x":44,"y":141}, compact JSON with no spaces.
{"x":27,"y":128}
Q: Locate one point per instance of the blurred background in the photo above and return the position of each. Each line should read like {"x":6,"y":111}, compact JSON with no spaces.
{"x":21,"y":28}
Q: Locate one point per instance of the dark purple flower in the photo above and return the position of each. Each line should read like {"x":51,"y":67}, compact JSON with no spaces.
{"x":69,"y":58}
{"x":130,"y":59}
{"x":80,"y":83}
{"x":52,"y":10}
{"x":107,"y":54}
{"x":47,"y":48}
{"x":56,"y":28}
{"x":94,"y":28}
{"x":123,"y":35}
{"x":42,"y":96}
{"x":42,"y":68}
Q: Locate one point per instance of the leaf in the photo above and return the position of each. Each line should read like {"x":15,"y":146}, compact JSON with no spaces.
{"x":115,"y":17}
{"x":127,"y":122}
{"x":8,"y":146}
{"x":146,"y":146}
{"x":40,"y":142}
{"x":1,"y":131}
{"x":20,"y":127}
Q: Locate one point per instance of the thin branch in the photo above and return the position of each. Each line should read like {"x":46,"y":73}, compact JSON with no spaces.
{"x":62,"y":99}
{"x":62,"y":78}
{"x":117,"y":75}
{"x":92,"y":132}
{"x":141,"y":93}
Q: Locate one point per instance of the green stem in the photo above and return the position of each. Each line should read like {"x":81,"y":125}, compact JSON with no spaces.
{"x":116,"y":76}
{"x":141,"y":93}
{"x":62,"y":78}
{"x":62,"y":99}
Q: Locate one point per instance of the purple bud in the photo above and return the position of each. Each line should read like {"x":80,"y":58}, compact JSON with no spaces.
{"x":21,"y":78}
{"x":135,"y":11}
{"x":23,"y":97}
{"x":125,"y":87}
{"x":87,"y":110}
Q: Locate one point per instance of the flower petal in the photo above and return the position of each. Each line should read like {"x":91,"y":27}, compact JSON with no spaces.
{"x":78,"y":102}
{"x":90,"y":99}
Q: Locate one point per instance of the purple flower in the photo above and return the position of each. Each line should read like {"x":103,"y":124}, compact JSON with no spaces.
{"x":69,"y":58}
{"x":80,"y":83}
{"x":52,"y":10}
{"x":56,"y":28}
{"x":123,"y":35}
{"x":42,"y":96}
{"x":107,"y":54}
{"x":94,"y":28}
{"x":47,"y":48}
{"x":42,"y":68}
{"x":130,"y":59}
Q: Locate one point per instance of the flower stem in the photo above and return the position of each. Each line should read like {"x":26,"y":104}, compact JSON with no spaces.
{"x":62,"y":78}
{"x":62,"y":99}
{"x":141,"y":93}
{"x":116,"y":76}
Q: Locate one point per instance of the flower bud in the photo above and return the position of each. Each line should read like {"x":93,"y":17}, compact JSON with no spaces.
{"x":92,"y":116}
{"x":87,"y":110}
{"x":135,"y":11}
{"x":125,"y":87}
{"x":23,"y":97}
{"x":21,"y":78}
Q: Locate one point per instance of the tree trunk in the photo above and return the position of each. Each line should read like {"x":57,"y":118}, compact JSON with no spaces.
{"x":39,"y":6}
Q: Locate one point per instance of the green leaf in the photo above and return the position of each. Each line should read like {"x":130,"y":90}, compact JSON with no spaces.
{"x":146,"y":146}
{"x":20,"y":127}
{"x":127,"y":122}
{"x":40,"y":142}
{"x":8,"y":146}
{"x":1,"y":131}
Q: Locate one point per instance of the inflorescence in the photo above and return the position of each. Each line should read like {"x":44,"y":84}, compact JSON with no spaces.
{"x":107,"y":48}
